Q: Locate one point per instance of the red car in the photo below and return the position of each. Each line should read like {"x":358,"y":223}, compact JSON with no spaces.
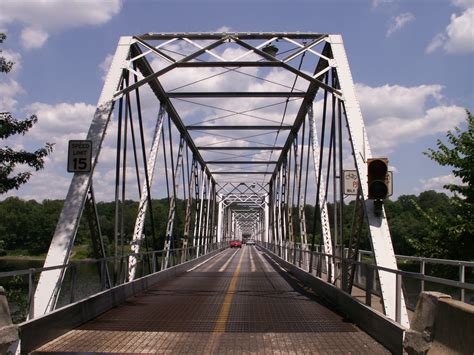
{"x":235,"y":244}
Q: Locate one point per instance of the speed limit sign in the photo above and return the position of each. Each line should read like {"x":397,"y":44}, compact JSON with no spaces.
{"x":79,"y":156}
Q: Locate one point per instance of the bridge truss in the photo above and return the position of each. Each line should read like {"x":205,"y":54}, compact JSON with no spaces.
{"x":240,"y":132}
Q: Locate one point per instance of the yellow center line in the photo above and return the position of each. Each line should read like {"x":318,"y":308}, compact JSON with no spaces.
{"x":225,"y":308}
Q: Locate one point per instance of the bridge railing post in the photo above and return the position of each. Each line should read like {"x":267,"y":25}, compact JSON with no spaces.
{"x":73,"y":276}
{"x":369,"y":278}
{"x":153,"y":262}
{"x":462,"y":273}
{"x":422,"y":271}
{"x":329,"y":274}
{"x":398,"y":299}
{"x":103,"y":274}
{"x":31,"y":293}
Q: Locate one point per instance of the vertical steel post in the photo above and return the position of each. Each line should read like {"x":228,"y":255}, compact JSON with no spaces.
{"x":220,"y":218}
{"x":369,"y":278}
{"x":398,"y":299}
{"x":422,"y":271}
{"x":31,"y":293}
{"x":462,"y":279}
{"x":73,"y":276}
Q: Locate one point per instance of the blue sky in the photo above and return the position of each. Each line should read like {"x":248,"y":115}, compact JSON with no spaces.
{"x":412,"y":62}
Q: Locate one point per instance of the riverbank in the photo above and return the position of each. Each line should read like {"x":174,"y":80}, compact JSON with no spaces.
{"x":80,"y":252}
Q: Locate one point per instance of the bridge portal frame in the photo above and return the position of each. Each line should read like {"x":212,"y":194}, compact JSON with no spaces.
{"x":276,"y":203}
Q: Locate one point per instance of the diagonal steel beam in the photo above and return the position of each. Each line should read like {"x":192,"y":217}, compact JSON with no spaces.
{"x":152,"y":75}
{"x":288,"y":67}
{"x":158,"y":90}
{"x":310,"y":95}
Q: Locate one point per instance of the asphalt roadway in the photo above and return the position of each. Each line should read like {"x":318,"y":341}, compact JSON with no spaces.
{"x":237,"y":302}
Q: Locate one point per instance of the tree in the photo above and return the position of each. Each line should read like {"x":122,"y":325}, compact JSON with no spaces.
{"x":9,"y":158}
{"x":457,"y":232}
{"x":460,"y":157}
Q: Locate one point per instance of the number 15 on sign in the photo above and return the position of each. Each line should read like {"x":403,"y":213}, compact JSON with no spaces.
{"x":79,"y":156}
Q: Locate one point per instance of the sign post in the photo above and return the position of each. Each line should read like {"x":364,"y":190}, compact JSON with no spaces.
{"x":79,"y":156}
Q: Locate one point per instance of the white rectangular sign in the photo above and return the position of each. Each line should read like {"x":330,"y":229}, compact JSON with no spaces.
{"x":79,"y":156}
{"x":351,"y":182}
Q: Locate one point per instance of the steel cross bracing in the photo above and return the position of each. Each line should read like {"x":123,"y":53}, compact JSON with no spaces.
{"x":238,"y":135}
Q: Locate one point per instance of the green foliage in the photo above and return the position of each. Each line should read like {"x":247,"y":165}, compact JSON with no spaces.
{"x":5,"y":65}
{"x":453,"y":233}
{"x":17,"y":295}
{"x":26,"y":227}
{"x":460,"y":156}
{"x":416,"y":223}
{"x":9,"y":158}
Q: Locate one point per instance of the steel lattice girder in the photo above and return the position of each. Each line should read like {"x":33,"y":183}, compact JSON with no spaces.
{"x":275,"y":192}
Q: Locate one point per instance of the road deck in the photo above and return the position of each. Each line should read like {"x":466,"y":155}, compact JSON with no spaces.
{"x":239,"y":302}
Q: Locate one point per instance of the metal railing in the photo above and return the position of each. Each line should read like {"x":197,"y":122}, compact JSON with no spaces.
{"x":81,"y":287}
{"x":423,"y":262}
{"x":366,"y":273}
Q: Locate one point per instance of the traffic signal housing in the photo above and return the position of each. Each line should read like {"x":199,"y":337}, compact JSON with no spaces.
{"x":377,"y":169}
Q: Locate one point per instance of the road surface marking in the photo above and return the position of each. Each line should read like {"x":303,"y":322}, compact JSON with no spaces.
{"x":252,"y":263}
{"x":205,"y":261}
{"x":228,"y":262}
{"x":225,"y":308}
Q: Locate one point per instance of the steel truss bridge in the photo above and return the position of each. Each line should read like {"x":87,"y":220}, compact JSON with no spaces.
{"x":241,"y":131}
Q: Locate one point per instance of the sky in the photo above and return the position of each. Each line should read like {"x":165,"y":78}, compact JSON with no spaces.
{"x":412,"y":63}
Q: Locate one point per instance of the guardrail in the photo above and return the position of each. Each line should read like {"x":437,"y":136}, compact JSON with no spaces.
{"x":423,"y":262}
{"x":366,"y":273}
{"x":81,"y":287}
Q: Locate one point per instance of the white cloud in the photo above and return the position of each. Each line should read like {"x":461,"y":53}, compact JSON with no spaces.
{"x":8,"y":90}
{"x":223,"y":29}
{"x":465,"y":4}
{"x":458,"y":37}
{"x":42,"y":18}
{"x":399,"y":22}
{"x":377,"y":3}
{"x":395,"y":100}
{"x":105,"y":65}
{"x":403,"y":115}
{"x":33,"y":38}
{"x":436,"y":183}
{"x":55,"y":122}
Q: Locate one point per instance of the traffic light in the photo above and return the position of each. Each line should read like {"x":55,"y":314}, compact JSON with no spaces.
{"x":377,"y":169}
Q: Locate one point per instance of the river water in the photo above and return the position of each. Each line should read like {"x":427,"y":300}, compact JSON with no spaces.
{"x":87,"y":283}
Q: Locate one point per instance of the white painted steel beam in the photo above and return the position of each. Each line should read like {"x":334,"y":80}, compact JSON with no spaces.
{"x":49,"y":284}
{"x":378,"y":226}
{"x":323,"y":206}
{"x":142,"y":208}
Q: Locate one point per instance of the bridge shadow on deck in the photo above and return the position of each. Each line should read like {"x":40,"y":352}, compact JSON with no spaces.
{"x":266,"y":310}
{"x":262,"y":302}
